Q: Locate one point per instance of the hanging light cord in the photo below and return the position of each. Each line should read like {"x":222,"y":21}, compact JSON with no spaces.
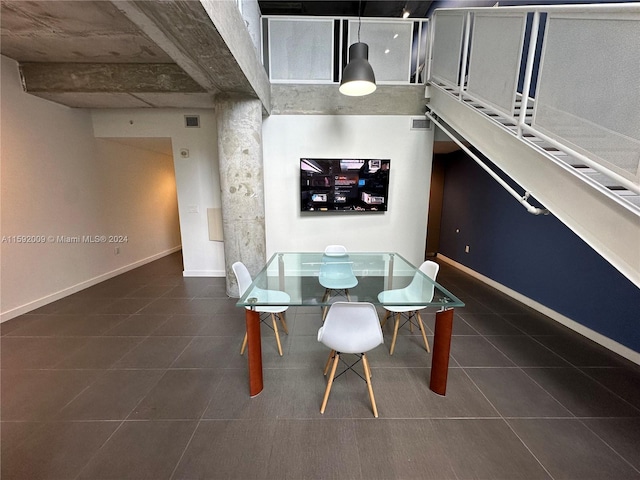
{"x":359,"y":19}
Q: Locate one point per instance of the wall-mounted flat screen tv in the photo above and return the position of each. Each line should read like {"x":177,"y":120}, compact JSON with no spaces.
{"x":344,"y":184}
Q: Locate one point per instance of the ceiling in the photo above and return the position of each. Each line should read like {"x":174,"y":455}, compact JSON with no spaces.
{"x":364,"y":8}
{"x":370,"y":8}
{"x":151,"y":54}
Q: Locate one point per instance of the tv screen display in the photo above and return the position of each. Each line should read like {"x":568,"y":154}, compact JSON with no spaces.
{"x":344,"y":184}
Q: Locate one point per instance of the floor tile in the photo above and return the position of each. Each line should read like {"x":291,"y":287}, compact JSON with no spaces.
{"x":179,"y":395}
{"x":217,"y":324}
{"x":625,"y":382}
{"x":580,"y":351}
{"x":621,"y":434}
{"x":489,"y":324}
{"x":126,"y":306}
{"x":406,"y":449}
{"x":37,"y":395}
{"x":59,"y":450}
{"x":569,"y":450}
{"x":231,"y":449}
{"x":515,"y":394}
{"x":314,"y":449}
{"x":581,"y":395}
{"x":288,"y":393}
{"x":154,"y":352}
{"x":141,"y":450}
{"x":112,"y":396}
{"x":99,"y":352}
{"x":14,"y":433}
{"x":150,"y":291}
{"x":37,"y":352}
{"x":462,"y":398}
{"x":486,"y":449}
{"x":533,"y":323}
{"x":182,"y":325}
{"x":138,"y":325}
{"x":202,"y":306}
{"x":9,"y":326}
{"x":526,"y":351}
{"x":212,"y":352}
{"x":477,"y":352}
{"x":185,"y":291}
{"x":166,"y":306}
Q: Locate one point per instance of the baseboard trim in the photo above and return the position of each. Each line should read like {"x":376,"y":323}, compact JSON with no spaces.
{"x":41,"y":302}
{"x":204,"y":273}
{"x":600,"y":339}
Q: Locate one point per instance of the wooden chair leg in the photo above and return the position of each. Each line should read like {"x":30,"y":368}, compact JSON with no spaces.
{"x":244,"y":344}
{"x":365,"y":362}
{"x":384,"y":320}
{"x":326,"y":366}
{"x":424,"y":335}
{"x":325,"y":298}
{"x":395,"y":334}
{"x":275,"y":329}
{"x":283,"y":322}
{"x":346,"y":292}
{"x":330,"y":382}
{"x":367,"y":370}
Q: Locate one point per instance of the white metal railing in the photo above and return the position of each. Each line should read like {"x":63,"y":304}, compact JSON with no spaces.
{"x":577,"y":66}
{"x":314,"y":49}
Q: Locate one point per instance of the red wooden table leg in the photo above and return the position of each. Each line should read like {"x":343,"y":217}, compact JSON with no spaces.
{"x":254,"y":349}
{"x":441,"y":349}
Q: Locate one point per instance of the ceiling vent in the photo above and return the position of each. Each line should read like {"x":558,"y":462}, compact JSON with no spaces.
{"x":192,"y":121}
{"x":420,"y":124}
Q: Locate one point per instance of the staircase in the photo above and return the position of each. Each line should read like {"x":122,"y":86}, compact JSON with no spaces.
{"x":598,"y":179}
{"x":579,"y":64}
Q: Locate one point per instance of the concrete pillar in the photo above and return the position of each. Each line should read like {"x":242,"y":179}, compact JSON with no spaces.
{"x":239,"y":122}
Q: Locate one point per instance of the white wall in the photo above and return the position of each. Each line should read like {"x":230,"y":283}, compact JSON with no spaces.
{"x":58,"y":180}
{"x":402,"y":228}
{"x":197,"y":176}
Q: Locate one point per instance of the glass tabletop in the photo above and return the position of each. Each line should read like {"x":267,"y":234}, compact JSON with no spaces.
{"x":379,"y":278}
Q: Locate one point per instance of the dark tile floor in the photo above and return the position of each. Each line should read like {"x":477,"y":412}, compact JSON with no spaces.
{"x":140,"y":377}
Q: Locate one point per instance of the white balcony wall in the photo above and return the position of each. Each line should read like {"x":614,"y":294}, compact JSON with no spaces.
{"x":314,"y":50}
{"x":592,"y":102}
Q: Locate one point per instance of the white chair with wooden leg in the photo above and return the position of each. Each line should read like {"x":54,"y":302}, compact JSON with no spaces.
{"x":274,"y":296}
{"x":414,"y":290}
{"x":336,"y":274}
{"x":350,"y":328}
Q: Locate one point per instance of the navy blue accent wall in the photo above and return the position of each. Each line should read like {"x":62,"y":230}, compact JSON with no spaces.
{"x":537,"y":256}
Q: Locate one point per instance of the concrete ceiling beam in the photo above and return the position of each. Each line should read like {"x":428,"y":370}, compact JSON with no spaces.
{"x":107,"y":77}
{"x":199,"y":37}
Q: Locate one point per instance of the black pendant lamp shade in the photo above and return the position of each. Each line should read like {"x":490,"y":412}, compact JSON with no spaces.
{"x":358,"y":78}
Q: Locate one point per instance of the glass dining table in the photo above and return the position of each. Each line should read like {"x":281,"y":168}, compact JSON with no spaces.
{"x":299,"y":274}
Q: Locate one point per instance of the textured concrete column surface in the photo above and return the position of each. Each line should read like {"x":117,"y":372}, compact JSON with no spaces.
{"x":241,"y":179}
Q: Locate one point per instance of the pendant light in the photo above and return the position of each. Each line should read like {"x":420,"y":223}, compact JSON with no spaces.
{"x":357,"y":77}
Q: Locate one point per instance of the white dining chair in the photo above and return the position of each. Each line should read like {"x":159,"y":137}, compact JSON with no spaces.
{"x":244,"y":280}
{"x":336,"y":274}
{"x":350,"y":328}
{"x":415,"y":290}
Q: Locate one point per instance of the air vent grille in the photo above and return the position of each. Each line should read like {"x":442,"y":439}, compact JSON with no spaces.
{"x":420,"y":124}
{"x":192,"y":121}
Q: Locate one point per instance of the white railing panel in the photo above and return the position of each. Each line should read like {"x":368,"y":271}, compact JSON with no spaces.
{"x":494,"y":62}
{"x":588,"y":95}
{"x":389,"y":47}
{"x":447,"y":47}
{"x":301,"y":50}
